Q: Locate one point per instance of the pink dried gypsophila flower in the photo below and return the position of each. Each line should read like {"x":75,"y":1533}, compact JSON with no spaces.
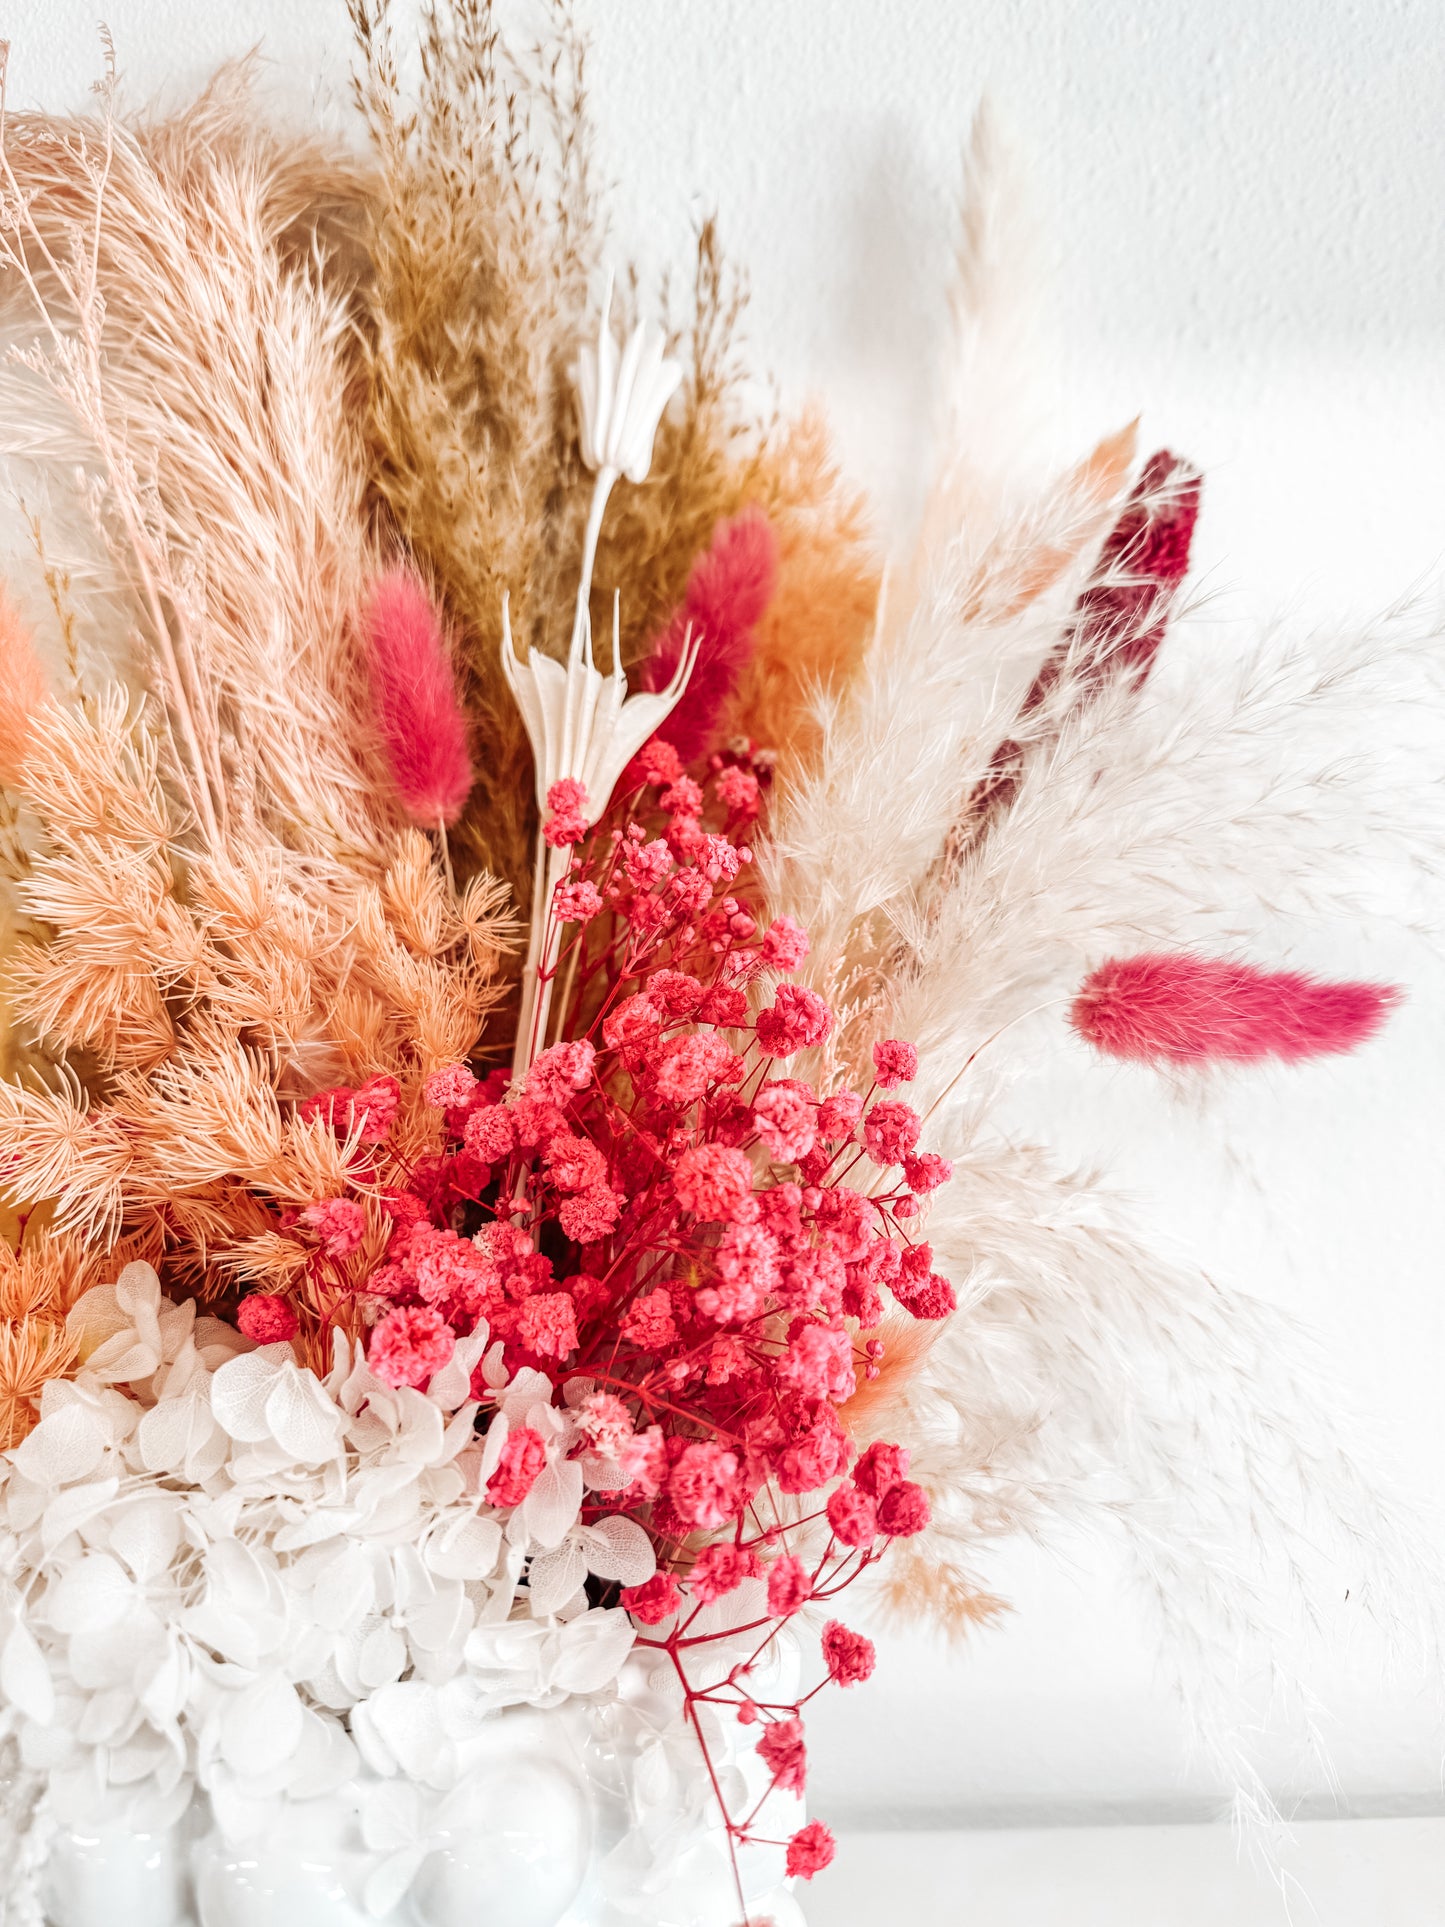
{"x":489,"y":1134}
{"x":590,"y":1215}
{"x":789,"y":1586}
{"x":605,"y":1422}
{"x":815,"y":1456}
{"x":649,"y":1323}
{"x":656,"y":1599}
{"x":782,"y":1751}
{"x":682,"y":1069}
{"x":838,"y":1115}
{"x":340,"y":1224}
{"x":784,"y":945}
{"x":786,"y":1120}
{"x":577,"y":902}
{"x":655,"y":764}
{"x":266,"y":1319}
{"x":644,"y":1462}
{"x":547,"y":1325}
{"x":925,"y":1172}
{"x":894,"y":1063}
{"x":369,"y":1111}
{"x":880,"y":1467}
{"x":450,"y":1088}
{"x":903,"y":1510}
{"x":819,"y":1363}
{"x":721,"y":1569}
{"x":646,"y":864}
{"x":849,"y":1657}
{"x":737,"y":790}
{"x":712,"y":1181}
{"x":409,"y":1345}
{"x":890,"y":1132}
{"x":706,"y":1485}
{"x":574,"y":1163}
{"x":520,"y":1466}
{"x":853,"y":1516}
{"x":926,"y":1298}
{"x":810,"y":1850}
{"x":674,"y":992}
{"x":634,"y":1025}
{"x":558,"y":1073}
{"x":567,"y":822}
{"x":797,"y":1019}
{"x":723,"y":1005}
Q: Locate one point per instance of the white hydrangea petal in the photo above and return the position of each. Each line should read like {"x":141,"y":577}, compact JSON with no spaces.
{"x":147,"y":1536}
{"x":260,"y":1728}
{"x":467,"y":1549}
{"x":65,"y":1446}
{"x":554,"y":1577}
{"x":387,"y":1884}
{"x":25,"y":1679}
{"x":383,"y":1657}
{"x":618,"y":1548}
{"x":68,"y":1511}
{"x":92,"y":1594}
{"x":591,"y":1651}
{"x":550,"y":1509}
{"x":393,"y":1816}
{"x":240,"y":1390}
{"x":300,"y":1417}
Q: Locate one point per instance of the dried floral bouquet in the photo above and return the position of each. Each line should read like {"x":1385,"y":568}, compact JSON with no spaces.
{"x":514,"y":946}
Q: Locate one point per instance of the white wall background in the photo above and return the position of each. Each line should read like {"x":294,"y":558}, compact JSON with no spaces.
{"x":1242,"y":210}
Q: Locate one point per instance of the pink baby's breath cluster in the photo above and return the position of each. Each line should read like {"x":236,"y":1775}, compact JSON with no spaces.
{"x":692,"y":1239}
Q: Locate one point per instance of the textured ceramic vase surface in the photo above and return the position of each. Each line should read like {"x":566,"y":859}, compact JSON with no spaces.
{"x":593,"y":1813}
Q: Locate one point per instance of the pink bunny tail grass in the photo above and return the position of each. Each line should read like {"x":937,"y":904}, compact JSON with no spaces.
{"x":728,"y":592}
{"x":415,"y":697}
{"x":1192,"y":1010}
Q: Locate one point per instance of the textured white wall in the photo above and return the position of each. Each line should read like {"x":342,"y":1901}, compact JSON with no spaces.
{"x":1241,"y":205}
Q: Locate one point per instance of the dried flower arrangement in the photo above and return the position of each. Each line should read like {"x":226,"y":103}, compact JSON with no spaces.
{"x":467,"y":1230}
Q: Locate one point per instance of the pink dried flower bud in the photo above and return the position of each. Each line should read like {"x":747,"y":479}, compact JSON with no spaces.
{"x":782,"y":1751}
{"x":649,"y":1322}
{"x":567,"y":823}
{"x":849,"y":1657}
{"x":789,"y":1586}
{"x":721,"y":1569}
{"x":409,"y":1345}
{"x":737,"y":790}
{"x":784,"y":945}
{"x":838,"y":1115}
{"x":557,"y":1074}
{"x":894,"y":1063}
{"x":797,"y":1019}
{"x":450,"y":1088}
{"x":340,"y":1224}
{"x":853,"y":1516}
{"x":925,"y":1172}
{"x":810,"y":1850}
{"x":267,"y":1319}
{"x":488,"y":1133}
{"x":786,"y":1121}
{"x":518,"y":1469}
{"x":711,"y":1181}
{"x":591,"y":1214}
{"x":903,"y":1510}
{"x":706,"y":1485}
{"x":881,"y":1465}
{"x":656,"y":763}
{"x":658,"y":1598}
{"x":605,"y":1422}
{"x":927,"y":1298}
{"x":890,"y":1132}
{"x":577,"y":902}
{"x":547,"y":1325}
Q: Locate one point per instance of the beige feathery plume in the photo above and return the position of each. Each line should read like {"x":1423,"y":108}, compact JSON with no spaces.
{"x":230,"y":473}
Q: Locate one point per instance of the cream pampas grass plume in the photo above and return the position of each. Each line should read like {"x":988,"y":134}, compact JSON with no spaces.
{"x":417,"y":712}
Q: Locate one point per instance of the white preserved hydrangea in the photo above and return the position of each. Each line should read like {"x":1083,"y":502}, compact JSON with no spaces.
{"x":237,"y":1576}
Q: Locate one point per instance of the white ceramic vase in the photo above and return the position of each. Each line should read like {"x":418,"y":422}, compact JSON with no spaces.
{"x":593,"y":1813}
